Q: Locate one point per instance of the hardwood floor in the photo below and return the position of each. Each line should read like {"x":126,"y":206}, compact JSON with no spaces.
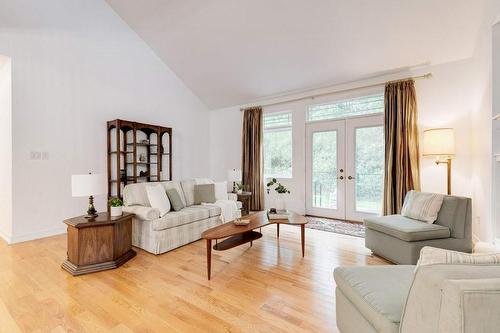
{"x":268,"y":287}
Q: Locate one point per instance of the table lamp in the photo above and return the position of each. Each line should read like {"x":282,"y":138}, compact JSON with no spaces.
{"x":440,"y":143}
{"x":88,"y":185}
{"x":234,"y":175}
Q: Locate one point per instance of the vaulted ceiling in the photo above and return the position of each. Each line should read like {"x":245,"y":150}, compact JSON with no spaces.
{"x":233,"y":52}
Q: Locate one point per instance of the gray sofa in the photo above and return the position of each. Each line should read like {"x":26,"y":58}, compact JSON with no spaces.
{"x":436,"y":298}
{"x":400,"y":239}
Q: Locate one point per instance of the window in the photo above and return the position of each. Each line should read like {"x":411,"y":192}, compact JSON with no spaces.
{"x":359,"y":106}
{"x":278,"y":145}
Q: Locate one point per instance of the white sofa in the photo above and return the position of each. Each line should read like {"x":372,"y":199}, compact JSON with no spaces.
{"x":159,"y":235}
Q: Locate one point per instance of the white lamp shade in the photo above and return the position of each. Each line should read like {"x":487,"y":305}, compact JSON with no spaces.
{"x":439,"y":142}
{"x":234,"y":175}
{"x":87,"y":185}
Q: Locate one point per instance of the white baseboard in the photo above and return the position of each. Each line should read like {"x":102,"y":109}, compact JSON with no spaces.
{"x":5,"y":237}
{"x":36,"y":235}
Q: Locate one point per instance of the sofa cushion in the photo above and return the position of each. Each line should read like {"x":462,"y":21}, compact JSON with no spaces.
{"x":177,"y":186}
{"x":422,"y":206}
{"x":213,"y":210}
{"x":184,"y":216}
{"x":143,"y":213}
{"x":406,"y":229}
{"x":378,"y":292}
{"x":431,"y":256}
{"x":158,"y":198}
{"x":135,"y":194}
{"x":188,"y":189}
{"x":455,"y":213}
{"x":175,"y":199}
{"x":204,"y":193}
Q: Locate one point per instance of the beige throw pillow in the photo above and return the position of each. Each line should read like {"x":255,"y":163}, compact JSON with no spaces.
{"x":158,"y":198}
{"x":432,"y":256}
{"x":422,"y":206}
{"x":204,"y":193}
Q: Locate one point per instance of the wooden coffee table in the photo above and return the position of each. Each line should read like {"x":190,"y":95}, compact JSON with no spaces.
{"x":236,"y":235}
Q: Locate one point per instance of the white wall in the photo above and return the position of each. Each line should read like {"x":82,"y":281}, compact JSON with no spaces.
{"x":5,"y":147}
{"x":496,"y":128}
{"x":448,"y":99}
{"x":75,"y":65}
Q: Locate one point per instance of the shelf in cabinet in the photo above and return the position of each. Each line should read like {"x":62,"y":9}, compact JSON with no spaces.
{"x":141,"y":163}
{"x":142,"y":144}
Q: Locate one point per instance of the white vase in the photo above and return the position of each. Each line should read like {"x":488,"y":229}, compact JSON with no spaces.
{"x":279,"y":203}
{"x":116,"y":211}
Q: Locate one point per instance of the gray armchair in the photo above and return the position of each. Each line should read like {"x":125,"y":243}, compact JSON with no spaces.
{"x":400,"y":239}
{"x":435,"y":299}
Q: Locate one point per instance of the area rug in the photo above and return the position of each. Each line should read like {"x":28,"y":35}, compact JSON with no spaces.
{"x":336,"y":226}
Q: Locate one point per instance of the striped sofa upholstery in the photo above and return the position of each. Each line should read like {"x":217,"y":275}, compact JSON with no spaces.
{"x":159,"y":235}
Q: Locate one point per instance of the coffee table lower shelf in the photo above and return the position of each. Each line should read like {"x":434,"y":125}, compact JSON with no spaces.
{"x":237,"y":240}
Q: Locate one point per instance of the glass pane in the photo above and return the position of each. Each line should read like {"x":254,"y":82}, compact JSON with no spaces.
{"x":278,"y":153}
{"x":369,"y":169}
{"x":346,"y":108}
{"x":324,"y":169}
{"x":274,"y":120}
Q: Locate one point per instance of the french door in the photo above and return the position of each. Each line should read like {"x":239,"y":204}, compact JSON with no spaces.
{"x":345,"y":168}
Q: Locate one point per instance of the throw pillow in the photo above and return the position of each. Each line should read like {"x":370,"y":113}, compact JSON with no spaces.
{"x":204,"y":193}
{"x":158,"y":198}
{"x":432,"y":256}
{"x":221,"y":191}
{"x":175,"y":199}
{"x":422,"y":206}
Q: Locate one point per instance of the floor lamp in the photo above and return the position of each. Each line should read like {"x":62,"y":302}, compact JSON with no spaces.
{"x":440,"y":144}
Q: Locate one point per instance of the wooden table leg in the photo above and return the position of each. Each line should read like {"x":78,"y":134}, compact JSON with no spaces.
{"x":277,"y":230}
{"x":209,"y":257}
{"x":302,"y":237}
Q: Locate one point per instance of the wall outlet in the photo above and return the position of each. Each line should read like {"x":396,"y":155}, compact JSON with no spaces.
{"x":35,"y":155}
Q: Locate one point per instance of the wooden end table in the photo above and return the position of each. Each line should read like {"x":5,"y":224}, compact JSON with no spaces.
{"x":244,"y":197}
{"x":241,"y":234}
{"x":100,"y":244}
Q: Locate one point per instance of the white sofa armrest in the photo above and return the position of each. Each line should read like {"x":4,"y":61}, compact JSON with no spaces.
{"x":232,"y":196}
{"x":470,"y":305}
{"x":143,"y":212}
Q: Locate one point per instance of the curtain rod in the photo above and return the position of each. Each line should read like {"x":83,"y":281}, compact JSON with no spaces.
{"x":424,"y":76}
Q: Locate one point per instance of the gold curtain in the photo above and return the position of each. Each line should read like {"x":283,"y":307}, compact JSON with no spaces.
{"x":402,"y":170}
{"x":252,"y":156}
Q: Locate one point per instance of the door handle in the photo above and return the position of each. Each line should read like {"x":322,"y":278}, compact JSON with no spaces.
{"x":350,"y":177}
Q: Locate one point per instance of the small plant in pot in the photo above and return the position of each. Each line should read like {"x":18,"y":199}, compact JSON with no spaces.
{"x":281,"y":190}
{"x":116,"y":207}
{"x":240,"y":188}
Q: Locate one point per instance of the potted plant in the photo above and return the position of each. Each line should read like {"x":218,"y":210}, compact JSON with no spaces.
{"x":116,"y":205}
{"x":281,"y":190}
{"x":240,"y":187}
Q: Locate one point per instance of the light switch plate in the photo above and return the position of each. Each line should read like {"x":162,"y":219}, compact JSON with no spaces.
{"x":35,"y":155}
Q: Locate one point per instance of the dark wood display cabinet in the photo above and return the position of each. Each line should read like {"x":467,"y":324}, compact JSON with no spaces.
{"x":137,"y":152}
